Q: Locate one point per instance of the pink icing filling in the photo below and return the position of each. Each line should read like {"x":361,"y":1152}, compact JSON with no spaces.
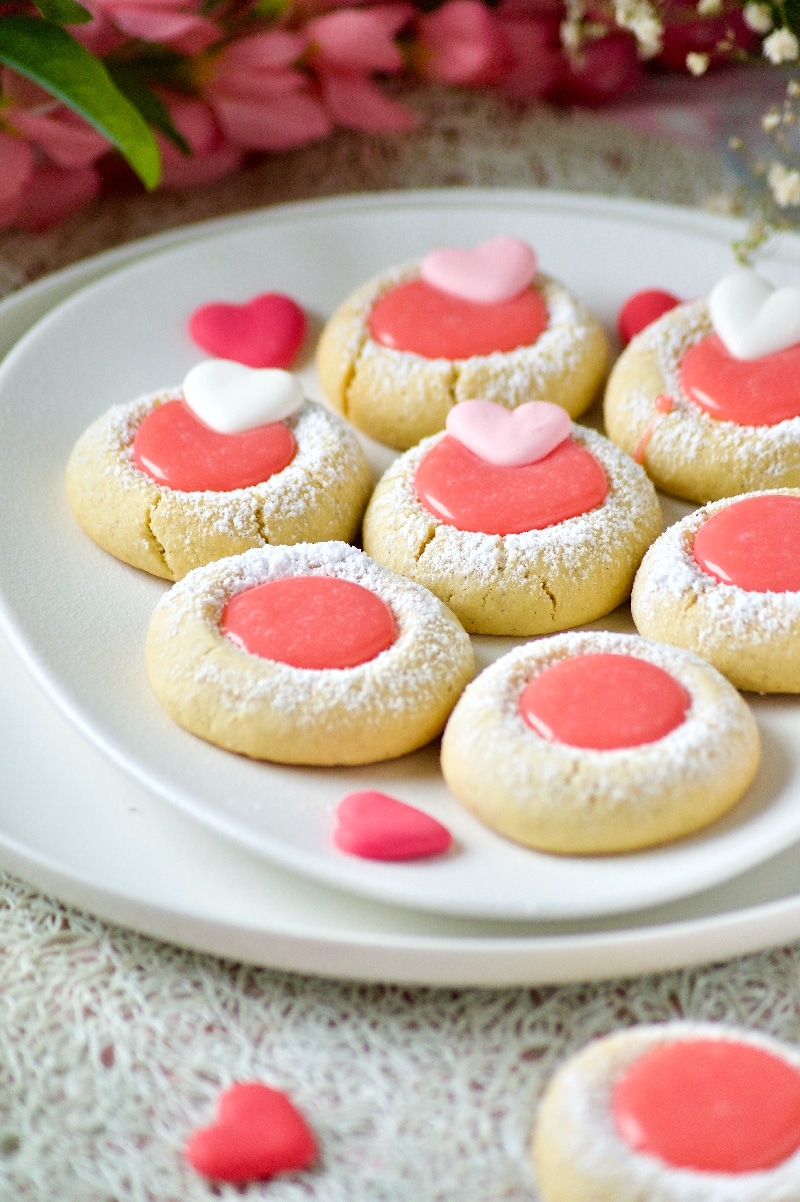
{"x":174,"y":448}
{"x":375,"y":826}
{"x":437,"y":325}
{"x":716,"y":1106}
{"x":750,"y":392}
{"x":464,"y":491}
{"x":753,"y":544}
{"x":604,"y":702}
{"x":310,"y":622}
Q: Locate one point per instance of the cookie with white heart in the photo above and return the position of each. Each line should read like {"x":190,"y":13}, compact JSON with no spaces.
{"x":593,"y":743}
{"x":522,"y":522}
{"x":234,"y":458}
{"x":309,"y":654}
{"x":672,"y":1112}
{"x":708,"y":396}
{"x":406,"y":346}
{"x":725,"y":582}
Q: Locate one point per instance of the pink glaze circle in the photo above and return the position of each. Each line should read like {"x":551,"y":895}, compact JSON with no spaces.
{"x":750,"y":392}
{"x":604,"y":702}
{"x":464,"y":491}
{"x":712,"y":1105}
{"x":437,"y":325}
{"x":753,"y":544}
{"x":310,"y":622}
{"x":176,"y":449}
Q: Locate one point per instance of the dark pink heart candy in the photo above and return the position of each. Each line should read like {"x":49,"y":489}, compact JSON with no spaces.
{"x":641,"y":309}
{"x":258,"y":1133}
{"x":377,"y":827}
{"x":266,"y":331}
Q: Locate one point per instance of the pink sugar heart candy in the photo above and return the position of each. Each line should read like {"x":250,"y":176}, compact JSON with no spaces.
{"x":258,"y":1133}
{"x":266,"y":331}
{"x":495,"y":271}
{"x":509,"y":437}
{"x":641,"y":309}
{"x":375,"y":826}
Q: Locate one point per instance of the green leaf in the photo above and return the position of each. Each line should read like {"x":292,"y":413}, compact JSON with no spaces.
{"x":154,"y":112}
{"x":52,"y":58}
{"x":64,"y":12}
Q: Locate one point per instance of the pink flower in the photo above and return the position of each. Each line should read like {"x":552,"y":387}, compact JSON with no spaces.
{"x":212,"y":157}
{"x":686,"y":32}
{"x":54,"y":194}
{"x":602,"y":70}
{"x":59,"y":133}
{"x":460,"y":43}
{"x":345,"y":48}
{"x":175,"y":23}
{"x":536,"y":63}
{"x":260,"y":100}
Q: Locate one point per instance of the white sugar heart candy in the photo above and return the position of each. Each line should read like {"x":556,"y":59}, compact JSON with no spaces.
{"x":509,"y":437}
{"x":493,"y":272}
{"x":231,"y":398}
{"x":751,"y":317}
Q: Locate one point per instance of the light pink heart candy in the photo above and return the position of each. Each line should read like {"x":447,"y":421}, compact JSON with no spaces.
{"x":495,"y":271}
{"x":509,"y":437}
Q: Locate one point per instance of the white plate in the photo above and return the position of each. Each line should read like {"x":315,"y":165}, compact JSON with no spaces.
{"x":79,"y":617}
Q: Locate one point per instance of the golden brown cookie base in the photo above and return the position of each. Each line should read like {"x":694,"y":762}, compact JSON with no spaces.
{"x":398,"y":397}
{"x":391,"y":705}
{"x":577,"y":801}
{"x":320,"y":495}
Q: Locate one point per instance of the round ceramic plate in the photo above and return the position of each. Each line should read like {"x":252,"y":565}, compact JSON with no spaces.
{"x":79,"y":617}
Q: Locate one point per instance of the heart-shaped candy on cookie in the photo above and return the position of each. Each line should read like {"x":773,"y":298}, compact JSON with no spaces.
{"x":495,"y":271}
{"x":374,"y":826}
{"x":751,"y":317}
{"x":258,"y":1133}
{"x":509,"y":437}
{"x":266,"y":331}
{"x":230,"y":397}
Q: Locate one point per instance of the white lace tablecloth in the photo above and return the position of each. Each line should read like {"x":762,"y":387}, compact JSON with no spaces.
{"x":113,"y":1047}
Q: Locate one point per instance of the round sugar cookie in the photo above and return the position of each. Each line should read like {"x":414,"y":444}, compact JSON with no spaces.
{"x":675,"y":1112}
{"x":400,"y":396}
{"x":686,"y":450}
{"x":571,"y":570}
{"x":317,"y":492}
{"x":590,"y":742}
{"x":309,"y":654}
{"x":725,"y":582}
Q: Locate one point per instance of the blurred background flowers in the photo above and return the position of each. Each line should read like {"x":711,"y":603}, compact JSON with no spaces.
{"x":174,"y":93}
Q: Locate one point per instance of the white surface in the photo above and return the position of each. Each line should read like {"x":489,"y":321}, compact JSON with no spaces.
{"x":79,"y":617}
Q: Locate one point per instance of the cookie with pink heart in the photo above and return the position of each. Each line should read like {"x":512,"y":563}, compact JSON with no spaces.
{"x":708,"y":395}
{"x":465,"y":322}
{"x":521,"y":521}
{"x":234,"y":458}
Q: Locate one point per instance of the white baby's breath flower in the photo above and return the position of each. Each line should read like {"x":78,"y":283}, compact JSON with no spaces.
{"x":784,"y":185}
{"x":708,"y":8}
{"x":571,"y":35}
{"x":641,"y":18}
{"x":697,"y":63}
{"x":770,"y":120}
{"x":781,"y":46}
{"x":758,"y":17}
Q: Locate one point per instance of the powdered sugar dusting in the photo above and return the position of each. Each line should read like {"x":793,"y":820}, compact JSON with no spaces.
{"x":688,"y":435}
{"x":731,"y":614}
{"x":698,"y":748}
{"x":575,"y":544}
{"x":595,"y":1147}
{"x":430,"y":648}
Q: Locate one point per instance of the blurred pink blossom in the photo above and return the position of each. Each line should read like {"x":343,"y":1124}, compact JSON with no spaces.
{"x":602,"y":70}
{"x":174,"y":23}
{"x":345,"y":48}
{"x":212,"y":156}
{"x":460,"y":43}
{"x":260,"y":100}
{"x":536,"y":61}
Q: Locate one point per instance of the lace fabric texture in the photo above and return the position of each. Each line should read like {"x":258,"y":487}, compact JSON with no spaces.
{"x":114,"y":1047}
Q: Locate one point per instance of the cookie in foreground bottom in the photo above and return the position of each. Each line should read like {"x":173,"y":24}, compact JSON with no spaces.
{"x":678,"y":1112}
{"x":310,"y":654}
{"x":591,"y":742}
